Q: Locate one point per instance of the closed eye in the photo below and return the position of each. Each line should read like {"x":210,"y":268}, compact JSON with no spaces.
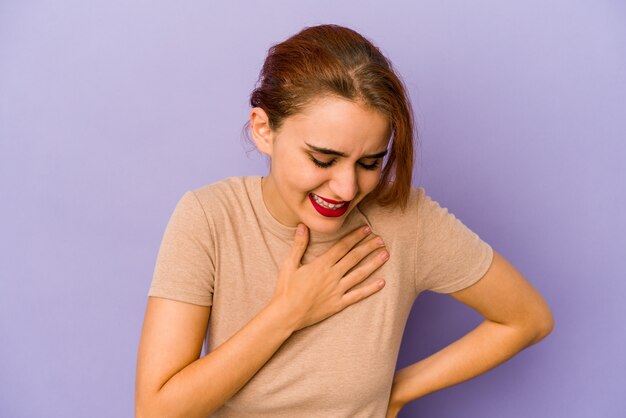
{"x":326,"y":164}
{"x":322,"y":164}
{"x":372,"y":166}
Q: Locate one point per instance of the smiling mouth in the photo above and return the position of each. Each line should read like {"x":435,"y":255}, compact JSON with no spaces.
{"x":327,"y":203}
{"x":329,"y":208}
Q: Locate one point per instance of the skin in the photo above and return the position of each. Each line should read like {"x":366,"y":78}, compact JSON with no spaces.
{"x":293,"y":174}
{"x":516,"y":317}
{"x":173,"y":381}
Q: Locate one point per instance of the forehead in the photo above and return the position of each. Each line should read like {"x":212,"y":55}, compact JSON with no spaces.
{"x":339,"y":124}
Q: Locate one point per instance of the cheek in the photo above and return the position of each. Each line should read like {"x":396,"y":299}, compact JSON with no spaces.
{"x":369,"y":181}
{"x":293,"y":163}
{"x":306,"y":175}
{"x":299,"y":178}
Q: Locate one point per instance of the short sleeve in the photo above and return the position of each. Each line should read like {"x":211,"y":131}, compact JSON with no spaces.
{"x":185,"y":267}
{"x":450,"y":256}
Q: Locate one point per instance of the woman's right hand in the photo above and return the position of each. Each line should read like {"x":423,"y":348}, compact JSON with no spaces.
{"x":315,"y":291}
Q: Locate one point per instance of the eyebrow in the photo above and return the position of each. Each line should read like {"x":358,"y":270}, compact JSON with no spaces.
{"x":329,"y":151}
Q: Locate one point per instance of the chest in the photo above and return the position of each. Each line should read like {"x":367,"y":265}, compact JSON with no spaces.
{"x":354,"y":351}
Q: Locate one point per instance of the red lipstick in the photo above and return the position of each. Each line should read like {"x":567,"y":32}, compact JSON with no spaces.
{"x":329,"y":212}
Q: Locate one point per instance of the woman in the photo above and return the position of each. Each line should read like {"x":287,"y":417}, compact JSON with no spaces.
{"x":302,"y":280}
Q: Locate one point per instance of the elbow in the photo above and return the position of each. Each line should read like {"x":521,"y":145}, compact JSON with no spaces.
{"x":542,"y":326}
{"x":547,"y":325}
{"x":145,"y":407}
{"x":156,"y":405}
{"x":145,"y":411}
{"x":141,"y":410}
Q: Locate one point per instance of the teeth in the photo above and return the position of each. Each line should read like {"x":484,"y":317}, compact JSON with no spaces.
{"x":325,"y":204}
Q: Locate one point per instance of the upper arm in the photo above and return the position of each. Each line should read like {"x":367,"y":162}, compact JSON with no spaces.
{"x":503,"y":295}
{"x":172,"y":337}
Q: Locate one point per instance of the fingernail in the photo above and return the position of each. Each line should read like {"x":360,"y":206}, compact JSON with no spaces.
{"x":300,"y":229}
{"x":380,"y":241}
{"x":384,"y":255}
{"x":367,"y":230}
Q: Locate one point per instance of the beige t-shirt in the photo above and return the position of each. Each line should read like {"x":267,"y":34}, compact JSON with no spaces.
{"x":223,"y":248}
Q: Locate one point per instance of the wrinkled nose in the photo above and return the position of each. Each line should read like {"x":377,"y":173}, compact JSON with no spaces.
{"x":344,"y":184}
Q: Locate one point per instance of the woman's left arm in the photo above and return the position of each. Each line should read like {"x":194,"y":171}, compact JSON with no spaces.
{"x":516,"y":317}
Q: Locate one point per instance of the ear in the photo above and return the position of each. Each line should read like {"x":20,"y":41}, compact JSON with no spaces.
{"x":260,"y":129}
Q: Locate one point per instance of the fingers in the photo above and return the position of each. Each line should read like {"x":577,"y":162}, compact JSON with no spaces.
{"x":300,"y":242}
{"x":357,"y":254}
{"x":360,"y":273}
{"x":344,"y":245}
{"x":361,"y":293}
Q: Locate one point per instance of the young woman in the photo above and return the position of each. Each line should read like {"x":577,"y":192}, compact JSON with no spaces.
{"x":301,"y":281}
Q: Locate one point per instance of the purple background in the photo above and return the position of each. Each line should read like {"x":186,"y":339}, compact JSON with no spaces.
{"x":110,"y":111}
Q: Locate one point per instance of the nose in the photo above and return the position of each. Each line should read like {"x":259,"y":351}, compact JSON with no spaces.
{"x":344,"y":184}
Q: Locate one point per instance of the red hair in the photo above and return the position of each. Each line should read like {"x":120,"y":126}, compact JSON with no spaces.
{"x":337,"y":61}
